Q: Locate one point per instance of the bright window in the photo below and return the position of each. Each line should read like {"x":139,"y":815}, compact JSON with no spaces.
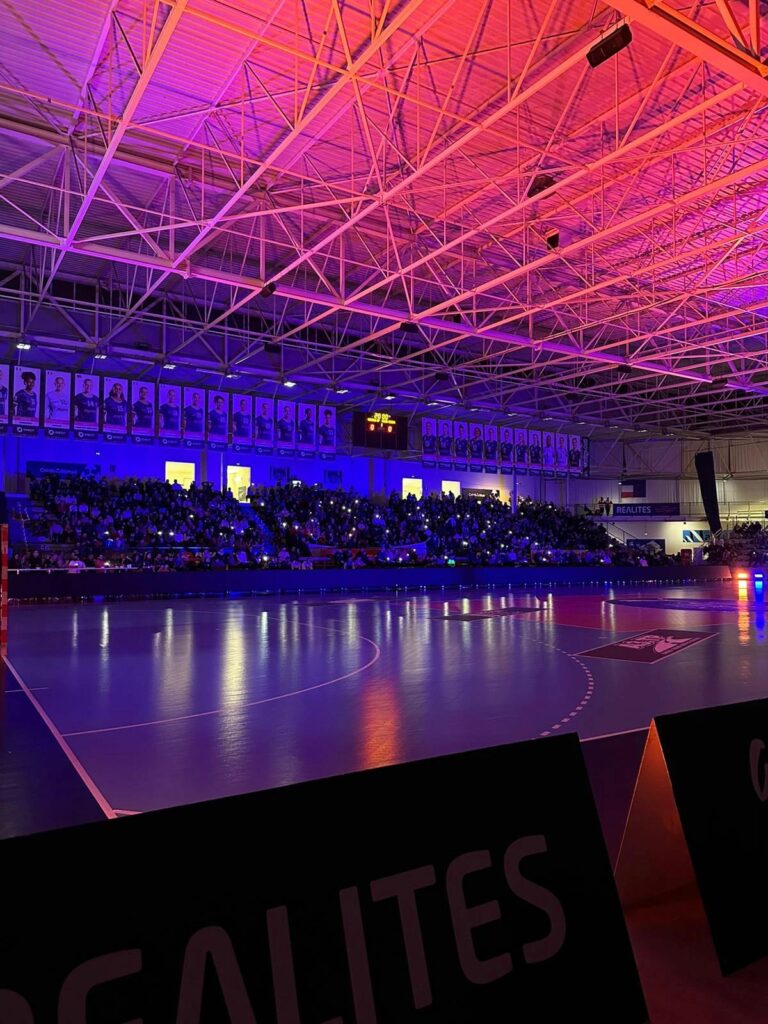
{"x":238,"y":481}
{"x":183,"y":472}
{"x":451,"y":487}
{"x":412,"y":485}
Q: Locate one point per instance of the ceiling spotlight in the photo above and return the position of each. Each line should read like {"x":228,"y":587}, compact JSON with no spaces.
{"x":289,"y":383}
{"x":231,"y":375}
{"x":431,"y":404}
{"x":269,"y":289}
{"x":23,"y":346}
{"x":100,"y":355}
{"x":169,"y":366}
{"x":341,"y":391}
{"x":389,"y":398}
{"x":608,"y":47}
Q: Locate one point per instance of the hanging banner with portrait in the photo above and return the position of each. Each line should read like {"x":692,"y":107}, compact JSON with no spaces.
{"x":114,"y":421}
{"x":218,"y":419}
{"x":242,"y":422}
{"x":285,"y":427}
{"x":169,"y":413}
{"x":57,"y":410}
{"x":491,"y":449}
{"x":444,"y":444}
{"x":26,"y":399}
{"x":87,"y":403}
{"x":429,"y":443}
{"x":326,"y":431}
{"x":307,"y":431}
{"x":193,"y":417}
{"x":265,"y":425}
{"x":142,"y":412}
{"x":460,"y":445}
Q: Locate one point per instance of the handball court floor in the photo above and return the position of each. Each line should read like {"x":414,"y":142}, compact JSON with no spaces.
{"x":115,"y":708}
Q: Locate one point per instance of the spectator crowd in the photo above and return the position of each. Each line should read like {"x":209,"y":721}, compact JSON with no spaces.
{"x":94,"y":522}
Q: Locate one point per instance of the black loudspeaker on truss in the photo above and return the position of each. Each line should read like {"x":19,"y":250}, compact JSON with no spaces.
{"x":705,"y":469}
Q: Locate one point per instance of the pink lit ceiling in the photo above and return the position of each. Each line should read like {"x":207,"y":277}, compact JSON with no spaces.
{"x":160,"y":163}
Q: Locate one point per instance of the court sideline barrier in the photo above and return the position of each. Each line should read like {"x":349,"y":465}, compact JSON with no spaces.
{"x":43,"y":584}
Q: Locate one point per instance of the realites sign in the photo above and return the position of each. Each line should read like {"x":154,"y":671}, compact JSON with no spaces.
{"x":440,"y":891}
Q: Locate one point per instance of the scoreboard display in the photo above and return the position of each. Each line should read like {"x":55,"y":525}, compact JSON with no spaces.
{"x":380,"y":430}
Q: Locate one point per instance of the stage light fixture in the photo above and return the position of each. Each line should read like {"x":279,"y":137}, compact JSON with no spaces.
{"x":540,"y":184}
{"x":269,"y":289}
{"x":610,"y":46}
{"x":100,"y":355}
{"x":389,"y":398}
{"x":23,"y":346}
{"x":169,"y":366}
{"x":289,"y":383}
{"x":342,"y":391}
{"x":231,"y":376}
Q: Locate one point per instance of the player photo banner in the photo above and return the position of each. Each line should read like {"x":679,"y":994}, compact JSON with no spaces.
{"x":428,"y":442}
{"x":57,"y":410}
{"x":264,"y":424}
{"x":115,"y":417}
{"x":534,"y":450}
{"x":506,"y":449}
{"x":87,"y":402}
{"x":522,"y":450}
{"x":326,"y":431}
{"x":476,"y":447}
{"x":548,"y":453}
{"x":242,"y":422}
{"x":218,"y":419}
{"x":460,"y":445}
{"x":444,"y":444}
{"x":26,"y":400}
{"x":142,"y":412}
{"x":574,"y":454}
{"x":5,"y":395}
{"x":169,"y":413}
{"x":285,"y":427}
{"x":561,"y":454}
{"x":193,"y":417}
{"x":585,"y":456}
{"x":491,"y":449}
{"x":307,"y":431}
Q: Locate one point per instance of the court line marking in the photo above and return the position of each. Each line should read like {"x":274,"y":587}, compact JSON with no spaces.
{"x":235,"y":709}
{"x":85,"y":778}
{"x":613,"y":735}
{"x":33,"y":689}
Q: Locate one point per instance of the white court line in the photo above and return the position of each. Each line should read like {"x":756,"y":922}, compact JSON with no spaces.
{"x":613,"y":735}
{"x":236,"y":708}
{"x":90,"y":785}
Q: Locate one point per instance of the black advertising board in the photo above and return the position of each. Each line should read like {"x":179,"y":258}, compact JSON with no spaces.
{"x":700,"y":815}
{"x":469,"y":888}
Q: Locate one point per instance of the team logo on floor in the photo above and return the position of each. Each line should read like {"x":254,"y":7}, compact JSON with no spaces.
{"x":648,"y":648}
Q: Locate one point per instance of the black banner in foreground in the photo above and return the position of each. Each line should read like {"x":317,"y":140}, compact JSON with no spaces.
{"x":469,"y":888}
{"x":700,"y":815}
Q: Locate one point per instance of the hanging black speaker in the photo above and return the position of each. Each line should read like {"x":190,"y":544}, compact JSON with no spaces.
{"x":705,"y":469}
